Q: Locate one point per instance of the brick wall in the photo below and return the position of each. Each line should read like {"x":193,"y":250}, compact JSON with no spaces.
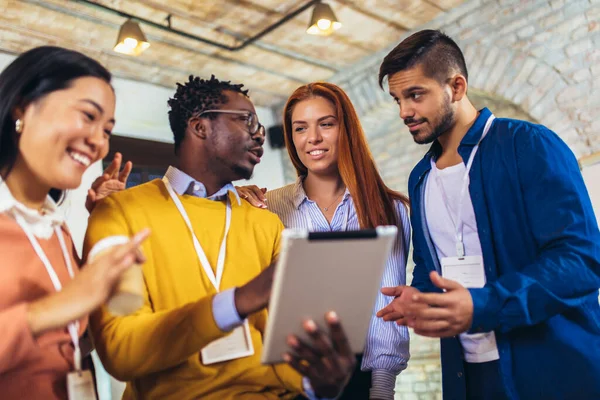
{"x":529,"y":59}
{"x":540,"y":55}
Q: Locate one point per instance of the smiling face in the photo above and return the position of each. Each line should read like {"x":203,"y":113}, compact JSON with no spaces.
{"x":66,"y":131}
{"x":425,"y":104}
{"x":315,"y":133}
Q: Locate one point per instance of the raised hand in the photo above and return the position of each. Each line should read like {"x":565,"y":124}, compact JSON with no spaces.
{"x":441,"y":314}
{"x":398,"y":308}
{"x":90,"y":288}
{"x":111,"y":181}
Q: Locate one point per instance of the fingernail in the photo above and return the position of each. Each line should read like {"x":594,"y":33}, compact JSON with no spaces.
{"x":311,"y":326}
{"x":415,"y":297}
{"x":286,"y":357}
{"x":333,"y":317}
{"x":263,"y":206}
{"x":141,"y":235}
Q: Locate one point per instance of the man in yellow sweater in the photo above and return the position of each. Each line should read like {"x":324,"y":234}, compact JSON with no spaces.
{"x":209,"y":270}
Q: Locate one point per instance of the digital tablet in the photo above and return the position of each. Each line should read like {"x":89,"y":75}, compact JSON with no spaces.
{"x":319,"y":272}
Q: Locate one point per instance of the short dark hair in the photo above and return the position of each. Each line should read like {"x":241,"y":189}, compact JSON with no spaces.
{"x":195,"y":96}
{"x":31,"y":76}
{"x":436,"y":52}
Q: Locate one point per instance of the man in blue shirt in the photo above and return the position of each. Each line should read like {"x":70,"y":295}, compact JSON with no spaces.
{"x":500,"y":210}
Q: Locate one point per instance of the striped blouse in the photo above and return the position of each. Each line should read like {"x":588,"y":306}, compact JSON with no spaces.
{"x":386,"y":349}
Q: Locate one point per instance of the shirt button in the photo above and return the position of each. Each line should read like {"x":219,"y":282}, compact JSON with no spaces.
{"x":196,"y":187}
{"x":459,"y":374}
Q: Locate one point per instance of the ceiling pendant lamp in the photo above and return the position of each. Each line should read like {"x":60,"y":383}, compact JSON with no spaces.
{"x":131,"y":40}
{"x":323,"y":21}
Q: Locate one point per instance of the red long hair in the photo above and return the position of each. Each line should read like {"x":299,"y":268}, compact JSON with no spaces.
{"x":374,"y":201}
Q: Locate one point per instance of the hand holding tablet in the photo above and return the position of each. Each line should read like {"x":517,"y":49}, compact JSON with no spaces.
{"x":322,"y":272}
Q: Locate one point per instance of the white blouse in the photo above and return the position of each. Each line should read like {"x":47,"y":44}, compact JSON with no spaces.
{"x":41,"y":224}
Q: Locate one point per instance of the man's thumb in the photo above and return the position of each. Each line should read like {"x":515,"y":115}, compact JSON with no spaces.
{"x":442,"y":282}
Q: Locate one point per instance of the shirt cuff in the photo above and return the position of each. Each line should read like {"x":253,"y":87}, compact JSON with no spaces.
{"x":383,"y":385}
{"x":105,"y":244}
{"x":224,"y":311}
{"x":485,"y":310}
{"x":310,"y":393}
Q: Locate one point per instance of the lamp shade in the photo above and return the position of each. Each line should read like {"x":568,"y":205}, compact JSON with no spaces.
{"x":323,"y":21}
{"x":131,"y":39}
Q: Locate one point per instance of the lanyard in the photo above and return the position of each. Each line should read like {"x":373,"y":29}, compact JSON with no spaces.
{"x":310,"y":223}
{"x":73,"y":327}
{"x":215,"y":280}
{"x":459,"y":223}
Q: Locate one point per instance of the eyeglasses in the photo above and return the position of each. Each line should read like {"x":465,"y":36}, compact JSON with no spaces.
{"x":250,"y":119}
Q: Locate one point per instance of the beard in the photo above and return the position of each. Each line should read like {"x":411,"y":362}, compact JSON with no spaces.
{"x":229,"y":155}
{"x":243,"y":172}
{"x":230,"y":170}
{"x":445,"y":122}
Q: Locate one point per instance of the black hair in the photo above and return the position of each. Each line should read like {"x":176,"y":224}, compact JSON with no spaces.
{"x":436,"y":52}
{"x":195,"y":96}
{"x":31,"y":76}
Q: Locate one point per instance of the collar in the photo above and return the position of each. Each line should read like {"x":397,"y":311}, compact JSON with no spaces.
{"x":476,"y":130}
{"x":182,"y":184}
{"x":299,"y":195}
{"x":42,"y":225}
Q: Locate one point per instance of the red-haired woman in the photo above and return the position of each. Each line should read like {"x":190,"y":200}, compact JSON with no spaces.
{"x":339,"y":188}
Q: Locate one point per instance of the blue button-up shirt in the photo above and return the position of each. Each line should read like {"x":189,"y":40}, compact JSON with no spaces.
{"x":541,"y":250}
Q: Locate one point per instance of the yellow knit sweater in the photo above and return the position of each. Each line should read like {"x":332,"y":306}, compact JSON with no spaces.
{"x":157,"y":349}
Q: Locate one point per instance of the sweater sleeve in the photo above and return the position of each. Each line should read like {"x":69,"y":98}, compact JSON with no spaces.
{"x":18,"y":343}
{"x":290,"y":379}
{"x":566,"y":272}
{"x":133,"y":346}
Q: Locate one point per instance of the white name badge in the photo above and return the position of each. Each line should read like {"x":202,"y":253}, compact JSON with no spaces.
{"x":80,"y":385}
{"x":237,"y":344}
{"x":468,"y":271}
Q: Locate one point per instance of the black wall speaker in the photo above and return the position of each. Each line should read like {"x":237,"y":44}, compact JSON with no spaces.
{"x":276,"y":139}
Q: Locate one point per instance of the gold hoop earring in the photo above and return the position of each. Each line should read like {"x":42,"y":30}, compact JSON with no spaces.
{"x":19,"y":126}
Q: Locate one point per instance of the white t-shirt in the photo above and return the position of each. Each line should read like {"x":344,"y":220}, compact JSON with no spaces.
{"x":479,"y":347}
